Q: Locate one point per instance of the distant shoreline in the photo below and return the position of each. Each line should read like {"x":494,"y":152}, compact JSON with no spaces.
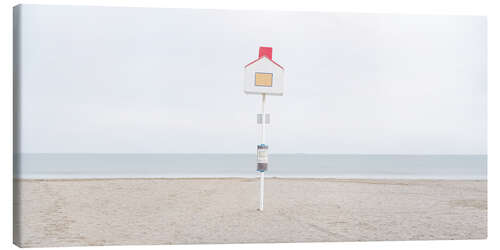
{"x":173,"y":166}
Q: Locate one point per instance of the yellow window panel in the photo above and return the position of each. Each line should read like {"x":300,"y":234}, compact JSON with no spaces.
{"x":264,"y":79}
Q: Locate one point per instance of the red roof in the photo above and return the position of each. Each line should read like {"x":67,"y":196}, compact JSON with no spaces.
{"x":265,"y":52}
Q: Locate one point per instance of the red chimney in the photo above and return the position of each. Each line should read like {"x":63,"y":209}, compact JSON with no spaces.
{"x":266,"y":51}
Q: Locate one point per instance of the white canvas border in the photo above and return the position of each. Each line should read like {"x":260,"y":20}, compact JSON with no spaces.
{"x":434,"y":7}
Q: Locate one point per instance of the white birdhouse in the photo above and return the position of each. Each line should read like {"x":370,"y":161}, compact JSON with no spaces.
{"x":263,"y":75}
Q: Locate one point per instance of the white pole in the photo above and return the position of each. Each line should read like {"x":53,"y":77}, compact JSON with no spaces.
{"x":263,"y":128}
{"x":262,"y":141}
{"x":261,"y":191}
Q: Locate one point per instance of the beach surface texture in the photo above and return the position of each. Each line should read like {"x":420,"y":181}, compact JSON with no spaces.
{"x":51,"y":213}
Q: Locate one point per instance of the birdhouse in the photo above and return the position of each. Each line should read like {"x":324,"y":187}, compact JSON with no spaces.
{"x":263,"y":75}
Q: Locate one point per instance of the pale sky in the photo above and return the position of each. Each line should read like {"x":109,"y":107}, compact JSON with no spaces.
{"x":139,"y":80}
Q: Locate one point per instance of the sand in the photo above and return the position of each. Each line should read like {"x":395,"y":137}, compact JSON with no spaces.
{"x":179,"y":211}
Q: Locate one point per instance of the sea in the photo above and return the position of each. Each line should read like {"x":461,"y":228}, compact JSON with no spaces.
{"x":84,"y":166}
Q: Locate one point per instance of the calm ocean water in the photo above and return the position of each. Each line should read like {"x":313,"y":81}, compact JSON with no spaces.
{"x":33,"y":166}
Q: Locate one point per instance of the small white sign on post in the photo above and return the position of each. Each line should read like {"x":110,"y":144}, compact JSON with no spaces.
{"x":263,"y":76}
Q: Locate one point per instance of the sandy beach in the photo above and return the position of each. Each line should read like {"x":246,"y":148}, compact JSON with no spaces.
{"x":180,"y":211}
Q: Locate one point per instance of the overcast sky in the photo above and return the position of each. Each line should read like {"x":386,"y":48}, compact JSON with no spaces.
{"x":139,"y":80}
